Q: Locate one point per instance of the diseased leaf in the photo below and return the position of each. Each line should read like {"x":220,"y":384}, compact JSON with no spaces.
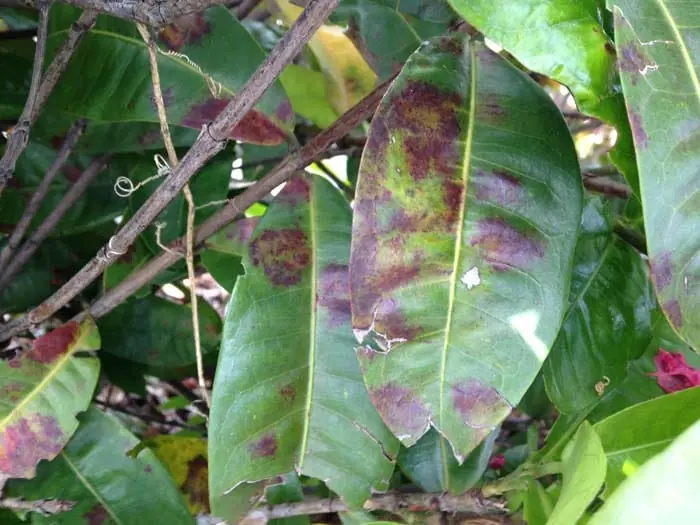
{"x":288,"y":393}
{"x":41,"y":392}
{"x":111,"y":68}
{"x":185,"y":458}
{"x":158,"y":333}
{"x":659,"y":61}
{"x":663,"y":491}
{"x":583,"y":472}
{"x":468,"y":205}
{"x":385,"y":35}
{"x":608,"y":323}
{"x":566,"y":41}
{"x":432,"y":465}
{"x":106,"y":484}
{"x":630,"y":438}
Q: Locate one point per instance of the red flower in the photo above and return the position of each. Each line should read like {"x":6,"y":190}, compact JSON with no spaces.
{"x":497,"y":461}
{"x":673,"y":373}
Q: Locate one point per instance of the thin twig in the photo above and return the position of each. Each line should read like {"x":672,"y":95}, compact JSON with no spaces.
{"x":172,"y":157}
{"x":18,"y":138}
{"x":211,"y":141}
{"x":154,"y":13}
{"x":245,"y":8}
{"x":60,"y":62}
{"x":145,"y":417}
{"x":47,"y":226}
{"x":470,"y":502}
{"x":45,"y":507}
{"x":284,"y":171}
{"x":607,"y":186}
{"x":74,"y":133}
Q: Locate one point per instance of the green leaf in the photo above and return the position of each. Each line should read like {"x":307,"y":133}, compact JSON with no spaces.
{"x":106,"y":484}
{"x":308,"y":95}
{"x":608,"y":323}
{"x":432,"y":465}
{"x":288,"y":393}
{"x":98,"y":206}
{"x":463,"y":240}
{"x":659,"y":63}
{"x":663,"y":491}
{"x":41,"y":391}
{"x":583,"y":470}
{"x":108,"y":78}
{"x":566,"y":41}
{"x":225,"y":249}
{"x":15,"y":83}
{"x":538,"y":504}
{"x":384,"y":34}
{"x":641,"y":431}
{"x":52,"y":265}
{"x":158,"y":333}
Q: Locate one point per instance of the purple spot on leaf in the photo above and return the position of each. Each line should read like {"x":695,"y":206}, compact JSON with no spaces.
{"x":661,"y":271}
{"x":504,"y":247}
{"x":401,"y":410}
{"x":265,"y":447}
{"x":283,"y":254}
{"x":25,"y":443}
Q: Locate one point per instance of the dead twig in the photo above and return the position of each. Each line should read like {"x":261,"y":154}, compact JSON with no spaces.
{"x":45,"y":507}
{"x":74,"y":133}
{"x":211,"y":141}
{"x":18,"y":138}
{"x":45,"y":228}
{"x":172,"y":157}
{"x":294,"y":162}
{"x":607,"y":186}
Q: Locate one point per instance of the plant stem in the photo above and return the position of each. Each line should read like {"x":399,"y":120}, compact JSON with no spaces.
{"x":18,"y":138}
{"x":74,"y":133}
{"x":284,"y":171}
{"x":518,"y":480}
{"x":45,"y":228}
{"x":211,"y":141}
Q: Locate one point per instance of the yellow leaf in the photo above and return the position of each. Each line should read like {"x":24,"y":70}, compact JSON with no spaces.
{"x":348,"y":77}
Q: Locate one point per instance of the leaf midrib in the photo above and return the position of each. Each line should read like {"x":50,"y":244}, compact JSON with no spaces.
{"x":466,"y":166}
{"x":682,"y":46}
{"x":59,"y":365}
{"x":312,"y":327}
{"x":163,"y":54}
{"x":90,"y":488}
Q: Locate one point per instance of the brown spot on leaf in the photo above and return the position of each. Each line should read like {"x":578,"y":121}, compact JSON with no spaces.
{"x":71,"y":172}
{"x":283,"y":254}
{"x":25,"y":443}
{"x":51,"y":346}
{"x":334,"y":293}
{"x":168,"y":98}
{"x":255,"y":127}
{"x":673,"y":311}
{"x":284,"y":112}
{"x":265,"y":447}
{"x":57,"y":141}
{"x":498,"y":187}
{"x":479,"y":406}
{"x":188,"y":29}
{"x":401,"y":409}
{"x":147,"y":469}
{"x":295,"y":191}
{"x":634,"y":61}
{"x":609,"y":48}
{"x":452,"y":196}
{"x":12,"y":391}
{"x":196,"y":483}
{"x":288,"y":393}
{"x":504,"y":247}
{"x":638,"y":131}
{"x":97,"y":515}
{"x":661,"y":271}
{"x":149,"y":138}
{"x":428,"y":120}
